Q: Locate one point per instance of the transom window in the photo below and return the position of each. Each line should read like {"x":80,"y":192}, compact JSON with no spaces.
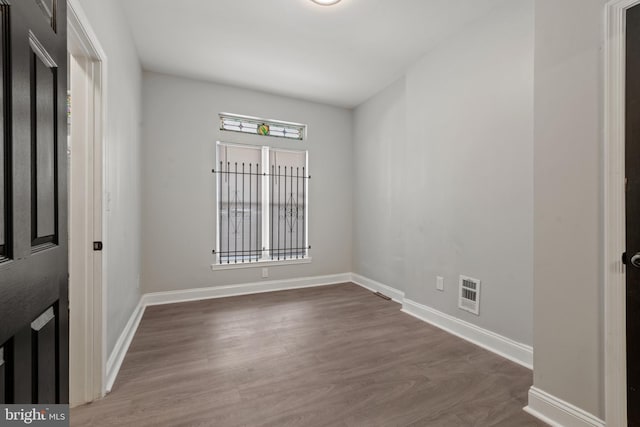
{"x":256,"y":126}
{"x":262,"y":195}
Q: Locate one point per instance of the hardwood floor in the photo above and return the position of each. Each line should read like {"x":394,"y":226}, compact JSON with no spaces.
{"x":327,"y":356}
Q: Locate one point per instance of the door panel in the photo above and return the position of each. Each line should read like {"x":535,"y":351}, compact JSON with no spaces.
{"x":34,"y":274}
{"x":3,"y":191}
{"x":43,"y":150}
{"x":3,"y":384}
{"x":21,"y":390}
{"x":48,"y":9}
{"x":5,"y":158}
{"x":44,"y":346}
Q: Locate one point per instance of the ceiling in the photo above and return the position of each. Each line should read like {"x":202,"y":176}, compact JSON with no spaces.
{"x":339,"y":55}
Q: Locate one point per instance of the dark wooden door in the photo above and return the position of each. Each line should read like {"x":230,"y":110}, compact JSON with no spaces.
{"x":632,"y":154}
{"x":33,"y":202}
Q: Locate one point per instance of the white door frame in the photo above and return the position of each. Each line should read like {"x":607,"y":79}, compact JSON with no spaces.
{"x":614,"y":212}
{"x":88,"y":289}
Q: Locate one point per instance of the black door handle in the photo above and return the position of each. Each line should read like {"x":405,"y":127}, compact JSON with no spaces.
{"x":635,"y":259}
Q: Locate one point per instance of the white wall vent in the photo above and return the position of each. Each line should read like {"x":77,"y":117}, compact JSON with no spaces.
{"x":469,"y":296}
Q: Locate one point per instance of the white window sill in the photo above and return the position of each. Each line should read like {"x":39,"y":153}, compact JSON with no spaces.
{"x":258,"y":264}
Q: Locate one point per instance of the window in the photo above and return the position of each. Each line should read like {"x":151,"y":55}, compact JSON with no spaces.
{"x":262,"y":195}
{"x":256,"y":126}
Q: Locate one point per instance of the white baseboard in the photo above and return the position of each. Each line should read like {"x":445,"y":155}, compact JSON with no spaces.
{"x":122,"y":345}
{"x":542,"y":405}
{"x":373,"y":286}
{"x":491,"y":341}
{"x":509,"y":349}
{"x":171,"y":297}
{"x":558,"y":413}
{"x":158,"y":298}
{"x":505,"y":347}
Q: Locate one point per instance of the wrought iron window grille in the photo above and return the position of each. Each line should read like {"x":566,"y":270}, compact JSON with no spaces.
{"x":244,"y":211}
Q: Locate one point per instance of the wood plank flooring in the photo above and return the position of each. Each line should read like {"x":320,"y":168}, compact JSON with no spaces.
{"x":327,"y":356}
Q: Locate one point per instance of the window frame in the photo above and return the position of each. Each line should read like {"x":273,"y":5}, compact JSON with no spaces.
{"x":265,"y":200}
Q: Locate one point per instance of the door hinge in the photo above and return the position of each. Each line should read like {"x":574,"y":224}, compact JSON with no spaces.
{"x":624,"y":258}
{"x":97,"y":246}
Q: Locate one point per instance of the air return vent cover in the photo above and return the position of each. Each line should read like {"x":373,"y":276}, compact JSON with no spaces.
{"x":469,"y":297}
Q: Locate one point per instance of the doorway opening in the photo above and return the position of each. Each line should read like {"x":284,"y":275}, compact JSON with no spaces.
{"x":615,"y":299}
{"x":87,"y":335}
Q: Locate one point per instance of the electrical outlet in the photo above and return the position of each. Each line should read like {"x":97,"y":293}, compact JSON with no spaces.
{"x":440,"y":283}
{"x":265,"y":273}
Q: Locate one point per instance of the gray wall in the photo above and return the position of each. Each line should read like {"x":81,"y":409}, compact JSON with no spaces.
{"x":568,"y":314}
{"x":122,"y":216}
{"x":379,"y":187}
{"x":180,"y":129}
{"x":447,"y":155}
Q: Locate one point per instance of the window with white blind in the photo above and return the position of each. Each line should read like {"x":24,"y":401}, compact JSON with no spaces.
{"x":262,"y":200}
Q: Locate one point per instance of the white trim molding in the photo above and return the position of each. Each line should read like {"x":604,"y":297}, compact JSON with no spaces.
{"x":119,"y":352}
{"x":122,"y":345}
{"x":509,"y":349}
{"x":614,"y":211}
{"x":198,"y":294}
{"x":258,"y":264}
{"x":516,"y":352}
{"x":502,"y":346}
{"x":558,"y":413}
{"x":82,"y":25}
{"x":373,"y":286}
{"x":83,"y":42}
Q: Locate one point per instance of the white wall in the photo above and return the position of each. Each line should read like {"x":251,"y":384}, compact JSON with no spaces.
{"x":568,"y":272}
{"x":454,"y":194}
{"x":180,"y":128}
{"x":122,"y":241}
{"x":380,"y":187}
